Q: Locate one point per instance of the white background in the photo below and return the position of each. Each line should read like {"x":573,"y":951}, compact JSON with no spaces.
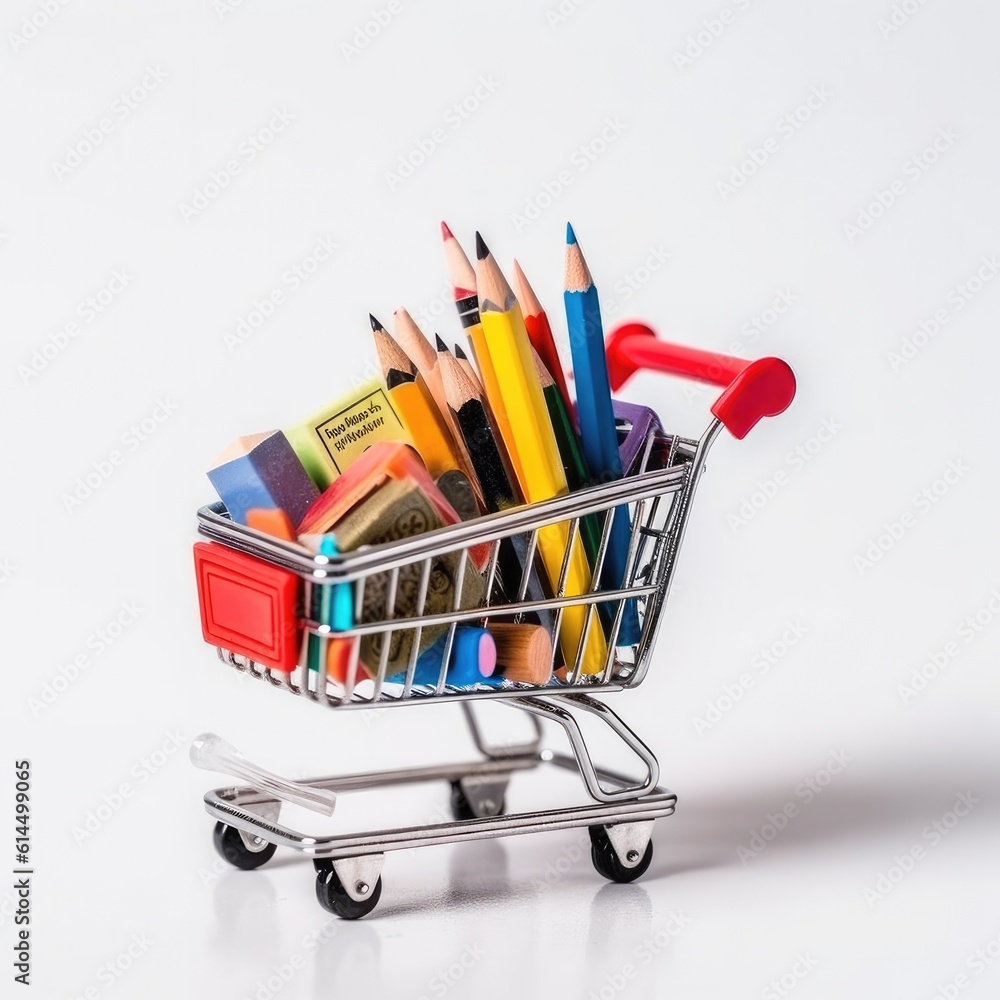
{"x":148,"y":877}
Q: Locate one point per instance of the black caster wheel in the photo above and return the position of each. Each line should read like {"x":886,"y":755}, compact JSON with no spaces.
{"x":607,"y":862}
{"x":333,"y":896}
{"x":461,"y":807}
{"x":232,"y":847}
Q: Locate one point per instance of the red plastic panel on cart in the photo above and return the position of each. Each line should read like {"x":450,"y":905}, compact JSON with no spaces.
{"x":248,"y":606}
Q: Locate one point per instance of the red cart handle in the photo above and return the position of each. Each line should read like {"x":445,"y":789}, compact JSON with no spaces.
{"x":753,"y":389}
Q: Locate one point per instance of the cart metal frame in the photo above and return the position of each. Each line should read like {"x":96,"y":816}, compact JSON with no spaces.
{"x":619,"y":810}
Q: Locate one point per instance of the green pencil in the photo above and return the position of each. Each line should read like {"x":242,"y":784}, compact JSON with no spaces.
{"x":570,"y":453}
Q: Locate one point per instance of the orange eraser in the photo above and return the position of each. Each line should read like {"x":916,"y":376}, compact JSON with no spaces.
{"x":272,"y":521}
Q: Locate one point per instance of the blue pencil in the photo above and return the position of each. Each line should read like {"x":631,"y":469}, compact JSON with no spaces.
{"x":596,"y":416}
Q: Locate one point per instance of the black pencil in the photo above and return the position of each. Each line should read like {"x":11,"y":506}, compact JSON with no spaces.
{"x":466,"y":402}
{"x":467,"y":367}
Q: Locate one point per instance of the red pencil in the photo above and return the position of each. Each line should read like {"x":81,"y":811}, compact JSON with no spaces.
{"x":540,"y":333}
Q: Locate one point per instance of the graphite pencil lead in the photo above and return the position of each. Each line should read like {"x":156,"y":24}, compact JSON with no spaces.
{"x":376,"y":325}
{"x":495,"y":295}
{"x":393,"y":358}
{"x":441,"y":345}
{"x":482,"y":250}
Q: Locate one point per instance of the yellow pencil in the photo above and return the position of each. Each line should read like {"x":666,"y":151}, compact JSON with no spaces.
{"x":515,"y":394}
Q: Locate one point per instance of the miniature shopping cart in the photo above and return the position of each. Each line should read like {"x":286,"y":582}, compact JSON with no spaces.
{"x":619,"y":811}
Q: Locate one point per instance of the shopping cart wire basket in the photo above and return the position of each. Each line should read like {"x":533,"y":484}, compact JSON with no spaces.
{"x":658,"y":491}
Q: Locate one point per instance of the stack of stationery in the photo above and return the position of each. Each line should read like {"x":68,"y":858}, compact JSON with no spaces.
{"x":443,"y":438}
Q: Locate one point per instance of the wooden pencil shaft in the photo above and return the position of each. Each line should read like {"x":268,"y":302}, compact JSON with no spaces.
{"x":515,"y":394}
{"x":539,"y":331}
{"x":595,"y":411}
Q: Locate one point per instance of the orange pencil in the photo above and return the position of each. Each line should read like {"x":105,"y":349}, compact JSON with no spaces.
{"x":411,"y":338}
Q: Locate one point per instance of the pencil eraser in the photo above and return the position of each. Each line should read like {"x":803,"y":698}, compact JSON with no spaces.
{"x":262,"y":471}
{"x":248,"y":606}
{"x":271,"y":521}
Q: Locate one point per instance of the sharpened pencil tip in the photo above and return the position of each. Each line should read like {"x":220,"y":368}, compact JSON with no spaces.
{"x":376,"y":325}
{"x":446,"y":233}
{"x":570,"y":235}
{"x":441,"y":345}
{"x":459,"y":353}
{"x":482,"y":250}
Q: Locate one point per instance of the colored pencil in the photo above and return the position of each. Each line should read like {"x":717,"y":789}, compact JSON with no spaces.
{"x":414,"y":404}
{"x":569,"y":451}
{"x":411,"y":338}
{"x":462,"y":275}
{"x":515,"y":395}
{"x":467,"y":366}
{"x":469,"y":408}
{"x":595,"y":413}
{"x":540,"y":334}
